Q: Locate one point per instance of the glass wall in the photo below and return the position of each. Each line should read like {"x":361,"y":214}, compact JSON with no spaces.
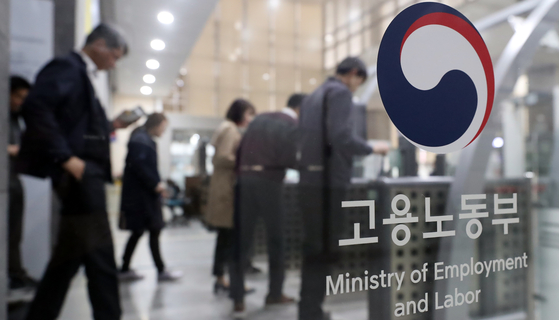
{"x":333,"y":208}
{"x":355,"y":27}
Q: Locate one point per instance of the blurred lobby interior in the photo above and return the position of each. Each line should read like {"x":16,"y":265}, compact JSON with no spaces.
{"x":191,"y":58}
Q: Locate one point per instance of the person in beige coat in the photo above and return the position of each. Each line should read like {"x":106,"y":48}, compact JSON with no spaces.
{"x":219,"y":213}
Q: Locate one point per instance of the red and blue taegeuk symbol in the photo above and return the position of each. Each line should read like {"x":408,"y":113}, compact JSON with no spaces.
{"x":435,"y":77}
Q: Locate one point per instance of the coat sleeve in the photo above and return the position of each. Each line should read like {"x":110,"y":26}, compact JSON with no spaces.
{"x":340,"y":127}
{"x":226,"y":148}
{"x":53,"y":87}
{"x":139,"y":164}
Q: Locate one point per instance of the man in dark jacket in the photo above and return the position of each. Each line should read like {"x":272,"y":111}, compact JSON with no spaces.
{"x":267,"y":149}
{"x":67,"y":139}
{"x":19,"y":279}
{"x":328,"y":146}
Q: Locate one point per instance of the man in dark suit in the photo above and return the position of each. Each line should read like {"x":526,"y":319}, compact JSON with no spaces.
{"x":20,"y":281}
{"x":267,"y":149}
{"x":67,"y":139}
{"x":328,"y":146}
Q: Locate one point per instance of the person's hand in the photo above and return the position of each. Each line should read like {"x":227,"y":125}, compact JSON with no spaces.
{"x":165,"y":194}
{"x":119,"y":124}
{"x":75,"y":166}
{"x":381,"y":148}
{"x":160,"y":188}
{"x":13,"y":150}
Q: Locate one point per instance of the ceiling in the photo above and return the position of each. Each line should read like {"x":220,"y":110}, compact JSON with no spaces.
{"x":138,"y":19}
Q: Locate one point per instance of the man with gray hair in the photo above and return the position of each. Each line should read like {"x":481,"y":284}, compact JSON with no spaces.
{"x":328,"y":147}
{"x":67,"y":139}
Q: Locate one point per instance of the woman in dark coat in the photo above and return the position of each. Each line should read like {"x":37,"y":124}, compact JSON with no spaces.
{"x":142,"y":189}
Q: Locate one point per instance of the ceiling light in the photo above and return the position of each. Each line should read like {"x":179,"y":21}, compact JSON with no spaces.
{"x":145,"y":90}
{"x":274,"y":3}
{"x":312,"y":81}
{"x":149,"y":78}
{"x":329,"y":38}
{"x":498,"y":143}
{"x":183,"y":71}
{"x":157,"y":44}
{"x":152,"y":64}
{"x":180,"y":83}
{"x":266,"y":76}
{"x":165,"y":17}
{"x":238,"y":25}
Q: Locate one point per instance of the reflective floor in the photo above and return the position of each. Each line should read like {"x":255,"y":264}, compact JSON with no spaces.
{"x":190,"y":250}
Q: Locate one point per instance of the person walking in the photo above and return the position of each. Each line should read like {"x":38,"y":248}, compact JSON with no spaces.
{"x":67,"y":138}
{"x":328,"y":146}
{"x":141,"y":199}
{"x":268,"y":148}
{"x":219,"y":213}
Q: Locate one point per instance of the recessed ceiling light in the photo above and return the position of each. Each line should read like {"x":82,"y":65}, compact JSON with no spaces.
{"x":274,"y":3}
{"x":498,"y":143}
{"x":180,"y":83}
{"x":165,"y":17}
{"x":183,"y":71}
{"x":149,"y":78}
{"x":266,"y":76}
{"x":152,"y":64}
{"x":145,"y":90}
{"x":157,"y":44}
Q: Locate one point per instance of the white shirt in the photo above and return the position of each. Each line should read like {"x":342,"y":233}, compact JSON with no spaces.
{"x":290,"y":112}
{"x":92,"y":72}
{"x":90,"y":66}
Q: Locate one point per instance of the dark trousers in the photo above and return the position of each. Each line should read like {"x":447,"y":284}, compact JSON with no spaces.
{"x":258,"y":198}
{"x":153,"y":244}
{"x":15,"y":228}
{"x":82,"y":240}
{"x":320,"y":246}
{"x":222,"y":253}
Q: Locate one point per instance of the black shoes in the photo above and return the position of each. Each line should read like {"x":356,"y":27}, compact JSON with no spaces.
{"x":252,"y":270}
{"x":22,"y":289}
{"x":220,"y":287}
{"x":279,"y":301}
{"x":23,"y":282}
